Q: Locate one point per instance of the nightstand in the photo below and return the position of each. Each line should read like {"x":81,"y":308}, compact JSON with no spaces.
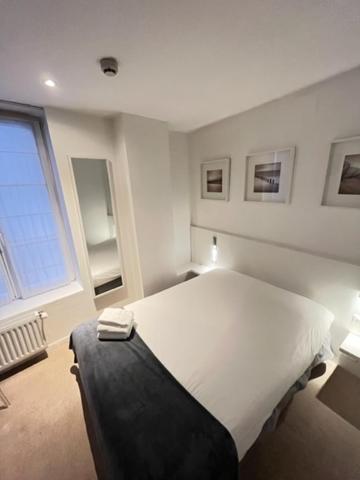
{"x":191,"y":270}
{"x":350,"y":354}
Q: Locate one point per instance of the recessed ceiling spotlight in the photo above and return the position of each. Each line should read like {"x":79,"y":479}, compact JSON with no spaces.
{"x":50,"y":83}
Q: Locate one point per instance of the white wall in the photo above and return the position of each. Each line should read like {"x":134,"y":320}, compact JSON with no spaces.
{"x":146,"y":147}
{"x":88,"y":136}
{"x":179,"y":161}
{"x":309,"y":120}
{"x":138,"y":149}
{"x":74,"y":135}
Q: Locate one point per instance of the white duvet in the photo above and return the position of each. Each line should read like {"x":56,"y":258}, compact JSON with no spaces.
{"x":235,"y":343}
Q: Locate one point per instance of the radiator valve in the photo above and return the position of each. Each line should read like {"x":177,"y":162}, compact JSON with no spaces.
{"x":41,"y":314}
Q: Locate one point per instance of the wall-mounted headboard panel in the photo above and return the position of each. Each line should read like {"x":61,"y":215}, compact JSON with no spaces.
{"x":334,"y":284}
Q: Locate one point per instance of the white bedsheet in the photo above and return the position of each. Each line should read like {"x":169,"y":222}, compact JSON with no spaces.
{"x":235,"y":343}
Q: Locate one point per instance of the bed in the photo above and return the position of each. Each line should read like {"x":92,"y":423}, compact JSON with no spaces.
{"x":234,"y":343}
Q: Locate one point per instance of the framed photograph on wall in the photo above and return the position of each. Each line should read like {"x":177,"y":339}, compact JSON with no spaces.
{"x":215,"y":179}
{"x":342,"y":187}
{"x":269,"y":176}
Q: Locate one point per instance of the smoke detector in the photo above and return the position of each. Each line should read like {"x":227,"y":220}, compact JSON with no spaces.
{"x":109,"y":66}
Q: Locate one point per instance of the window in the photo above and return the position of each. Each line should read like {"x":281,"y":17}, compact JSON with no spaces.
{"x":34,"y":255}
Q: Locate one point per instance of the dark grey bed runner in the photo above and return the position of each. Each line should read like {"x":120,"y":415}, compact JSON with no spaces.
{"x":147,"y":426}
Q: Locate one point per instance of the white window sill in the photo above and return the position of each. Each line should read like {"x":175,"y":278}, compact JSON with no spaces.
{"x":20,"y":307}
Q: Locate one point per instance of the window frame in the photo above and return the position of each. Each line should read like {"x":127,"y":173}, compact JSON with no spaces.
{"x":37,"y":122}
{"x":9,"y":275}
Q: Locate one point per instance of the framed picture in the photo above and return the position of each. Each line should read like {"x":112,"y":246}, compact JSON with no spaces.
{"x":269,"y":176}
{"x":215,"y":179}
{"x":342,"y":187}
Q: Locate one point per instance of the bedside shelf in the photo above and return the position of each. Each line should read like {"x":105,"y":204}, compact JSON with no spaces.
{"x":350,"y":354}
{"x":194,"y":267}
{"x":191,"y":270}
{"x":351,"y":346}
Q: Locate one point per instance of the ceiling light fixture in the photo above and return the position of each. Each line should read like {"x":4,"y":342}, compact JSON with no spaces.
{"x":109,"y":66}
{"x":50,"y":83}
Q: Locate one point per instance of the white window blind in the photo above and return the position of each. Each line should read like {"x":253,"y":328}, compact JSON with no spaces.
{"x":31,"y":227}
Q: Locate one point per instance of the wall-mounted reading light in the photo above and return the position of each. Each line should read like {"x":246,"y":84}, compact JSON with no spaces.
{"x":214,"y":250}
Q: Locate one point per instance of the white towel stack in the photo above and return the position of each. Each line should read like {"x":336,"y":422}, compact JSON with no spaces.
{"x":115,"y":324}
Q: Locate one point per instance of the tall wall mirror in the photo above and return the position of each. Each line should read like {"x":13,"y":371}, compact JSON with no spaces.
{"x":93,"y":185}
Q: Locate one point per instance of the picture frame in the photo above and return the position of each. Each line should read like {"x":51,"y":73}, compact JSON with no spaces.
{"x":215,"y":179}
{"x":269,"y":176}
{"x":342,"y":184}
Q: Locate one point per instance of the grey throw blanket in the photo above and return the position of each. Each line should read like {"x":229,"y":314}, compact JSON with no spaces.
{"x":147,"y":426}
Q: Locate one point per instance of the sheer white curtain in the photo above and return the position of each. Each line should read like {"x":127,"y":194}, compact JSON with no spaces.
{"x":28,"y":222}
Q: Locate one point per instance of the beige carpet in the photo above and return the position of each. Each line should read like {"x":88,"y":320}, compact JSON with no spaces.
{"x":43,"y":436}
{"x":313,"y":442}
{"x":42,"y":433}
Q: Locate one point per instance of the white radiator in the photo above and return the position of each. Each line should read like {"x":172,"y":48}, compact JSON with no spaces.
{"x":22,"y":340}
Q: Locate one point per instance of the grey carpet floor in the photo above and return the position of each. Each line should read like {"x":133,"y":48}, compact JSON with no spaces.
{"x":43,"y":435}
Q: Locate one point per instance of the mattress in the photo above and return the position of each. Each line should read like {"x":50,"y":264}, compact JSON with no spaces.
{"x":235,"y":343}
{"x":104,"y":262}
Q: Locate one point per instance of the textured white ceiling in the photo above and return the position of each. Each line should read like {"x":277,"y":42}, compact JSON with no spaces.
{"x":188,"y":62}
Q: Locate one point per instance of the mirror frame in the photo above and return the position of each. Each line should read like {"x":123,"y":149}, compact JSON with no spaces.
{"x":109,"y":170}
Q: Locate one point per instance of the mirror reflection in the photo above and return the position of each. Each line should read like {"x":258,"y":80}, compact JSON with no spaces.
{"x":97,"y":212}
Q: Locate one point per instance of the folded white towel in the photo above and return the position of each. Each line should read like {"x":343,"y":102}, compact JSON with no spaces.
{"x":116,"y":317}
{"x":114,"y":329}
{"x":112,"y":336}
{"x":108,"y":332}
